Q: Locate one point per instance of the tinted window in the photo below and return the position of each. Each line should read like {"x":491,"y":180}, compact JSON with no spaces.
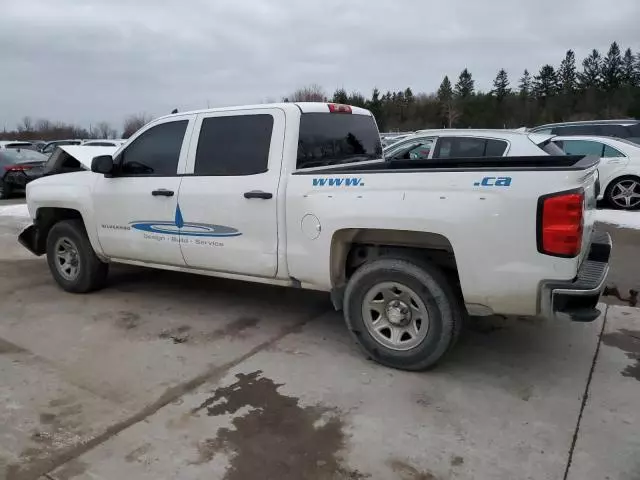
{"x":495,"y":148}
{"x":611,"y":152}
{"x":155,"y":152}
{"x":237,"y":145}
{"x":468,"y":147}
{"x":100,"y":144}
{"x":576,"y":130}
{"x":335,"y":138}
{"x":619,"y":131}
{"x":582,"y":147}
{"x":416,"y":149}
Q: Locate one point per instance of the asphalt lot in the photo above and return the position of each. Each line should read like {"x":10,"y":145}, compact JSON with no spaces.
{"x":167,"y":375}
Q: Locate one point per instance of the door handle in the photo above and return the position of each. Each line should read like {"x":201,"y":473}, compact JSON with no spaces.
{"x":162,"y":193}
{"x":258,"y":194}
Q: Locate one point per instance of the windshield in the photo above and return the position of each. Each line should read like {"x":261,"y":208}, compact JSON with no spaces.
{"x":332,"y":138}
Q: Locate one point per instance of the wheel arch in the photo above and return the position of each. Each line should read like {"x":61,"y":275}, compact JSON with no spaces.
{"x":47,"y":217}
{"x":352,"y":248}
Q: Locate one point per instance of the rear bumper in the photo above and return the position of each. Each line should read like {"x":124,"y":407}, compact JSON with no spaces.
{"x":577,"y":299}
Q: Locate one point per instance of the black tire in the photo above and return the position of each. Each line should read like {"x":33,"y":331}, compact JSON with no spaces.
{"x":91,"y":273}
{"x":5,"y":190}
{"x":608,"y":194}
{"x":444,"y":309}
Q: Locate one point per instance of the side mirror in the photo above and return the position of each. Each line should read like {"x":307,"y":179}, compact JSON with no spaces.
{"x":102,"y":164}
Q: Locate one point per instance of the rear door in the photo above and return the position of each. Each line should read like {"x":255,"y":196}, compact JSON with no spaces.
{"x":228,"y":200}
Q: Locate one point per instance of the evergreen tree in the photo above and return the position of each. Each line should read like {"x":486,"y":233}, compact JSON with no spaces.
{"x":567,"y":75}
{"x":612,"y":68}
{"x":340,"y":96}
{"x":629,"y":74}
{"x":465,"y":86}
{"x":545,"y":84}
{"x":356,"y":99}
{"x":445,"y":92}
{"x":525,"y":85}
{"x":501,"y":85}
{"x":375,"y":106}
{"x":590,"y":77}
{"x":408,"y":95}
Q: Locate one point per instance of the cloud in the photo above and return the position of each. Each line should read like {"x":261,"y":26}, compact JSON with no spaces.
{"x":104,"y":59}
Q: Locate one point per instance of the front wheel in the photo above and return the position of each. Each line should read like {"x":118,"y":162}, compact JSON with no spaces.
{"x":624,"y":193}
{"x":403,"y":314}
{"x":72,"y":261}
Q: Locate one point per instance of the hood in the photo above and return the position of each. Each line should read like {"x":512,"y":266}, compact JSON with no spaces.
{"x":85,"y":154}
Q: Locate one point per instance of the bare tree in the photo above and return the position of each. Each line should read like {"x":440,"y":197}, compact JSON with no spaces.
{"x":133,"y":123}
{"x":26,"y":125}
{"x":104,"y":130}
{"x":310,"y":93}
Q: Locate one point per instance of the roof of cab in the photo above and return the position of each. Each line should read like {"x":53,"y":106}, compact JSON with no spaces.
{"x":304,"y":107}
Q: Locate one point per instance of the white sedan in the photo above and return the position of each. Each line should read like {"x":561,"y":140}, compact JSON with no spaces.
{"x":619,"y":167}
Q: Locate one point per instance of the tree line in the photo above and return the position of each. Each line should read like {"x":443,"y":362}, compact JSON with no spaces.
{"x":603,"y":87}
{"x":44,"y":129}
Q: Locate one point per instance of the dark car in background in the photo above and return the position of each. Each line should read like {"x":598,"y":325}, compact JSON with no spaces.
{"x":628,"y":129}
{"x":18,"y":167}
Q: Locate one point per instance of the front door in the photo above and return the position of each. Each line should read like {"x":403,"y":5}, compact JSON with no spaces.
{"x":229,"y":204}
{"x":136,"y":209}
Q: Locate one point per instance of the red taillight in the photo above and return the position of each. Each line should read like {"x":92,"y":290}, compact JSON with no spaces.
{"x":560,"y":224}
{"x":338,"y":108}
{"x":17,"y":168}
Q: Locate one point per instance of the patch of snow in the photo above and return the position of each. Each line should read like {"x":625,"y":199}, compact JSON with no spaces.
{"x":619,"y":218}
{"x":20,"y":210}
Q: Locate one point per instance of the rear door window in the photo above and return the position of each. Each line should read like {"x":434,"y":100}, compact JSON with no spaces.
{"x":618,"y":131}
{"x":234,"y":145}
{"x":337,"y":138}
{"x":610,"y":152}
{"x":469,"y":147}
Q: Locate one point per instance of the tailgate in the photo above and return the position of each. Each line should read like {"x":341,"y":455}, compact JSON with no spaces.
{"x":590,"y":183}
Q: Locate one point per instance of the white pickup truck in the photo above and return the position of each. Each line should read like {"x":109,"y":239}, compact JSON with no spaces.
{"x":298,"y":195}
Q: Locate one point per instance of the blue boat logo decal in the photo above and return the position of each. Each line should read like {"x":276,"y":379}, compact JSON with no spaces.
{"x":180,"y":227}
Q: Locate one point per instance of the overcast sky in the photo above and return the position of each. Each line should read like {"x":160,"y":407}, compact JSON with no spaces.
{"x":91,"y":60}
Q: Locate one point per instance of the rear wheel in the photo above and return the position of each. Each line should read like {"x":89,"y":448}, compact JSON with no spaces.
{"x":404,"y":314}
{"x":72,"y":261}
{"x":624,"y":193}
{"x":5,"y":190}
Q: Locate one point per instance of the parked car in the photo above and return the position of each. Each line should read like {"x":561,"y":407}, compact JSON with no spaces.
{"x":628,"y":129}
{"x":74,"y":158}
{"x":619,"y":167}
{"x":299,"y":195}
{"x":103,"y":143}
{"x":464,"y":143}
{"x":49,"y":147}
{"x":16,"y":144}
{"x":18,"y":167}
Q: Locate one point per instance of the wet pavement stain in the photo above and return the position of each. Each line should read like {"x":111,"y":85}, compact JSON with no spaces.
{"x":406,"y":471}
{"x":59,"y":427}
{"x":8,"y":347}
{"x":629,"y":342}
{"x":278,"y":439}
{"x":236,"y":328}
{"x":123,"y":319}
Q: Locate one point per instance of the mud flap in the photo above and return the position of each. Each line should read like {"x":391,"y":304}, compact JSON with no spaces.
{"x":28,"y":238}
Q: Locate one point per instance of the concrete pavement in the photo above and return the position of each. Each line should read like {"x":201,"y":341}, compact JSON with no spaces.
{"x":165,"y":375}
